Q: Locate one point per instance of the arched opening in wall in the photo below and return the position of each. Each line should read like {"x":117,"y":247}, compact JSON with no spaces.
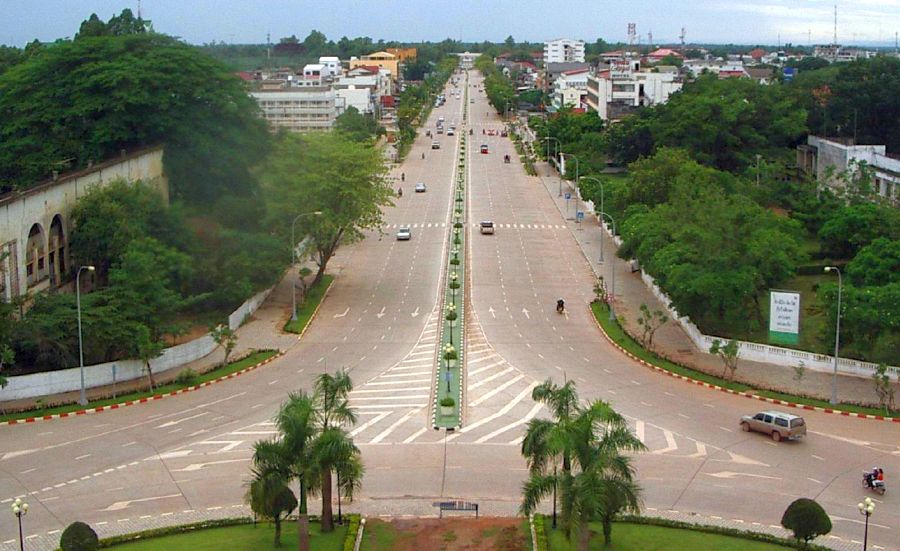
{"x":56,"y":257}
{"x":35,"y":259}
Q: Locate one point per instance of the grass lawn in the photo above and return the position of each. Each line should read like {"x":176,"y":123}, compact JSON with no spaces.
{"x":447,"y":534}
{"x":241,"y":538}
{"x":305,"y":310}
{"x":617,"y":334}
{"x":642,"y":537}
{"x":232,"y":367}
{"x":812,"y":318}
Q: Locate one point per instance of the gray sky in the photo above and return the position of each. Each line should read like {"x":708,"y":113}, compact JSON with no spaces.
{"x":243,"y":21}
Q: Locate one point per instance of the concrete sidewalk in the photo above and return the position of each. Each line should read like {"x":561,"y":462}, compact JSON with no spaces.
{"x":671,"y":341}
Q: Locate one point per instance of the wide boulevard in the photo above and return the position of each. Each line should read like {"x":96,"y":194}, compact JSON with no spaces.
{"x":145,"y":465}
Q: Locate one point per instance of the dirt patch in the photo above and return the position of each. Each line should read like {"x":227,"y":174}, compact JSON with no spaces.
{"x":448,"y":534}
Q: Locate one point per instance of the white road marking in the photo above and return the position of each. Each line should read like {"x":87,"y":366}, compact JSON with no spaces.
{"x":639,"y":431}
{"x":485,"y":368}
{"x":80,"y":457}
{"x":378,"y":417}
{"x":179,"y":421}
{"x":199,"y":466}
{"x":342,"y":314}
{"x":817,"y":457}
{"x":497,"y":390}
{"x":415,"y":435}
{"x":491,"y":378}
{"x":119,"y":505}
{"x":503,"y":411}
{"x":730,"y":475}
{"x":522,"y":421}
{"x":384,"y":434}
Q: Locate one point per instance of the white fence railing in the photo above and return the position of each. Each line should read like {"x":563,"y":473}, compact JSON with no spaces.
{"x":67,"y":380}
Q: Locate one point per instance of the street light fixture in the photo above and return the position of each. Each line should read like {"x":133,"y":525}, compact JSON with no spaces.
{"x":612,"y":267}
{"x":866,"y":508}
{"x":837,"y":334}
{"x":454,"y":283}
{"x":82,"y":398}
{"x":577,"y":170}
{"x":20,"y":509}
{"x":600,"y":183}
{"x":294,"y":260}
{"x":451,"y":316}
{"x":449,"y":353}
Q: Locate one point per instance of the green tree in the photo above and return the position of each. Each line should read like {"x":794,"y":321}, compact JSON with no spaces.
{"x":226,"y":338}
{"x":269,"y":496}
{"x":78,"y":536}
{"x":147,"y":349}
{"x":728,"y":353}
{"x":356,"y":126}
{"x":650,"y":323}
{"x":878,"y":263}
{"x":101,"y":103}
{"x":806,"y":519}
{"x":595,"y":480}
{"x":344,"y":180}
{"x":854,"y":226}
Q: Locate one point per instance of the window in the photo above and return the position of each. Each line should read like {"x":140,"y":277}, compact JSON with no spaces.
{"x":797,"y":423}
{"x":781,"y":422}
{"x":767,"y":419}
{"x":758,"y":417}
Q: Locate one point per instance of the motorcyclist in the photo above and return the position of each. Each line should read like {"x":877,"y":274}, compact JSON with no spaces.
{"x":402,"y":176}
{"x":423,"y":155}
{"x":399,"y":192}
{"x":560,"y":306}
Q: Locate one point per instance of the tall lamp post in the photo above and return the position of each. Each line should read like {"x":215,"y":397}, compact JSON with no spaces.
{"x":20,"y":509}
{"x":558,"y":147}
{"x":600,"y":183}
{"x":451,"y":317}
{"x":577,"y":171}
{"x":612,"y":267}
{"x":866,"y":508}
{"x":82,"y":398}
{"x":837,"y":335}
{"x":294,"y":260}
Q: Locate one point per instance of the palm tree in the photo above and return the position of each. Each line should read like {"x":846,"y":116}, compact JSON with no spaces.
{"x":333,"y":447}
{"x":268,"y":493}
{"x":596,"y":480}
{"x":296,"y":424}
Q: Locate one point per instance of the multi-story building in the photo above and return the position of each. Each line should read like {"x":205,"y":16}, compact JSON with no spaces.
{"x":383,"y":60}
{"x":570,"y":89}
{"x":624,"y":87}
{"x":331,"y":66}
{"x":563,"y":50}
{"x":829,"y":160}
{"x":300,"y":109}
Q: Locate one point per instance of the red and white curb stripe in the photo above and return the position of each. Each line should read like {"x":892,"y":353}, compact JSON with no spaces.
{"x":141,"y":400}
{"x":730,"y":391}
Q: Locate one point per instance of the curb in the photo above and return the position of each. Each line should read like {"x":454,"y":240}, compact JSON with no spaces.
{"x":735,"y":392}
{"x":316,"y":311}
{"x":141,"y":400}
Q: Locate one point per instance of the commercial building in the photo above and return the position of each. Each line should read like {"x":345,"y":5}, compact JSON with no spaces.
{"x":570,"y":89}
{"x":300,"y":109}
{"x":383,"y":60}
{"x":625,"y":87}
{"x":564,"y":50}
{"x":831,"y":160}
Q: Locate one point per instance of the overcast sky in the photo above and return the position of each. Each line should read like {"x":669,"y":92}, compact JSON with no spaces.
{"x":248,"y":21}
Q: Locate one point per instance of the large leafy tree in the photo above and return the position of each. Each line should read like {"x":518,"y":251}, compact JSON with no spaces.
{"x":595,"y":479}
{"x":344,"y":180}
{"x":122,"y":92}
{"x":356,"y":126}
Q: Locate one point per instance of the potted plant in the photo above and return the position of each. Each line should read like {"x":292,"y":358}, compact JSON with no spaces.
{"x":447,"y":404}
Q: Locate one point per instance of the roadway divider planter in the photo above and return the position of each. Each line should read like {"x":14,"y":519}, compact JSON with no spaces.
{"x":449,"y":374}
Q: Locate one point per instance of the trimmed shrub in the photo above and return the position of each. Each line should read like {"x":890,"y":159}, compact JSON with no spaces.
{"x":806,"y":519}
{"x":188,"y":377}
{"x":78,"y":536}
{"x":447,"y":402}
{"x":352,"y":530}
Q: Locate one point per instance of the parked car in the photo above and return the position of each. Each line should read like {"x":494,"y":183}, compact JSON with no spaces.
{"x":484,"y":148}
{"x":435,"y":145}
{"x":450,"y":132}
{"x":420,"y":187}
{"x":487,"y":226}
{"x":403,"y":234}
{"x":777,"y":424}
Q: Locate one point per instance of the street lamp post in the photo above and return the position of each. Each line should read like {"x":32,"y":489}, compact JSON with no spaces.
{"x":577,"y":170}
{"x":612,"y":267}
{"x":82,"y":398}
{"x":449,"y":351}
{"x":20,"y":509}
{"x":454,"y":282}
{"x":837,"y":335}
{"x":866,"y":508}
{"x":294,"y":260}
{"x":558,"y":152}
{"x":600,"y":183}
{"x":451,"y":316}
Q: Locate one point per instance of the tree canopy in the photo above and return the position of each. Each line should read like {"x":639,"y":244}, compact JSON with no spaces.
{"x":86,"y":99}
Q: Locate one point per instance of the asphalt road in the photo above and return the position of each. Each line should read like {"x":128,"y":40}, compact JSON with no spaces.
{"x":139,"y":466}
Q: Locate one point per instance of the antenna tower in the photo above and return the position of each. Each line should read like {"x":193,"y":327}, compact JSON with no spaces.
{"x":650,"y":39}
{"x":139,"y":9}
{"x":835,"y":25}
{"x":632,"y":34}
{"x":681,"y":36}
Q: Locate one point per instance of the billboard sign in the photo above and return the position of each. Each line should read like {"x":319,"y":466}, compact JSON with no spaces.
{"x":784,"y":317}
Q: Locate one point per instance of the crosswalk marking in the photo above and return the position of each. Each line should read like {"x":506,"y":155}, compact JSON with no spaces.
{"x":505,"y":409}
{"x":497,"y":390}
{"x":534,"y":410}
{"x":491,"y":378}
{"x":485,"y":368}
{"x":406,"y":389}
{"x":378,"y":417}
{"x":384,"y":434}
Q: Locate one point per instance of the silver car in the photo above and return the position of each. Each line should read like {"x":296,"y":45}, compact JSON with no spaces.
{"x":403,"y":234}
{"x":420,"y":188}
{"x":777,"y":424}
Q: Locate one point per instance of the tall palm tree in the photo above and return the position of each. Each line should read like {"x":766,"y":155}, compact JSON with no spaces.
{"x":296,"y":424}
{"x":333,"y":447}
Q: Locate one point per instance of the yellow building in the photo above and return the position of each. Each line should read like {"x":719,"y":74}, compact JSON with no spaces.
{"x":402,"y":54}
{"x":384,"y":60}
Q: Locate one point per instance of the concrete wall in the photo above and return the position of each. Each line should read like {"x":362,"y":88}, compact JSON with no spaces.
{"x":68,"y":380}
{"x":43,"y":261}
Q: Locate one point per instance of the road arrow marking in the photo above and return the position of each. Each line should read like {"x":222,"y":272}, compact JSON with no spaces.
{"x":491,"y":310}
{"x":169,"y":455}
{"x":179,"y":421}
{"x":199,"y":466}
{"x":381,"y":314}
{"x":342,"y":314}
{"x":730,"y":475}
{"x":119,"y":505}
{"x":525,"y":311}
{"x":416,"y":313}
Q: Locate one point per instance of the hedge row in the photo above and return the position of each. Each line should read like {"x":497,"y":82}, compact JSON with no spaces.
{"x":352,"y":530}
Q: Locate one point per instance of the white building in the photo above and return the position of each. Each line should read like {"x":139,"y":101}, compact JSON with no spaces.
{"x":570,"y":89}
{"x":564,"y":50}
{"x":624,"y":87}
{"x":331,"y":66}
{"x":828,"y":160}
{"x":300,"y":109}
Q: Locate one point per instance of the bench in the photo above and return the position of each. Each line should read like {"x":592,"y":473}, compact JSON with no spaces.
{"x":456,"y":506}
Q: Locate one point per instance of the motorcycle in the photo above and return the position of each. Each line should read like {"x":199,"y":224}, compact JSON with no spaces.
{"x":399,"y":192}
{"x":560,"y":306}
{"x":872,"y":483}
{"x":506,"y":159}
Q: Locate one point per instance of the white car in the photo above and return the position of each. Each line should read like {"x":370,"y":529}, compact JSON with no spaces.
{"x":420,"y":187}
{"x":403,"y":234}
